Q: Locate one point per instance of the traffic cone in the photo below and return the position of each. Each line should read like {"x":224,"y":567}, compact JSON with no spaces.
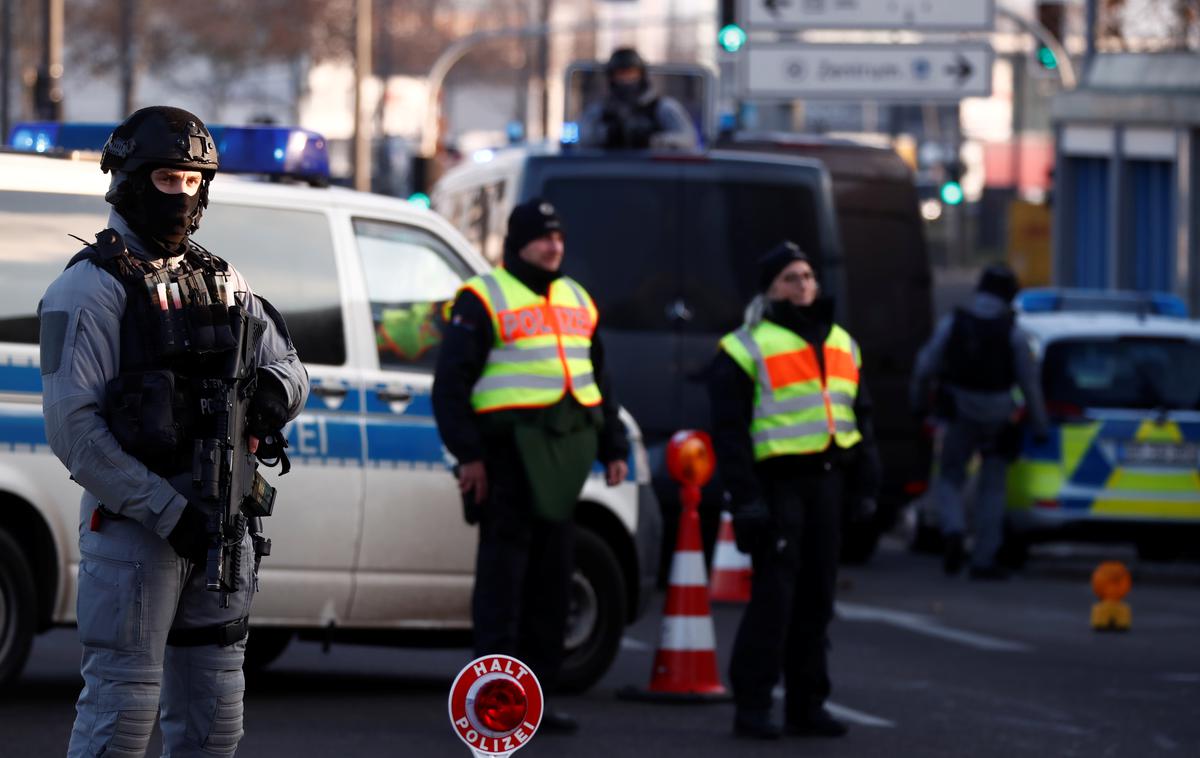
{"x":685,"y":665}
{"x":731,"y":570}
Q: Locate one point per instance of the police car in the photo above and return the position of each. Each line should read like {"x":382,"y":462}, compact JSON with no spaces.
{"x":1120,"y":372}
{"x":369,"y":538}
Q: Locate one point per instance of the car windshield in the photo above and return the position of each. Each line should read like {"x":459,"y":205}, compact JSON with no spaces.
{"x":1142,"y":372}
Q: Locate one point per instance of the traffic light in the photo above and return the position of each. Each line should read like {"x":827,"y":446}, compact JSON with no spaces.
{"x":1050,"y":15}
{"x":731,"y":36}
{"x":952,"y":192}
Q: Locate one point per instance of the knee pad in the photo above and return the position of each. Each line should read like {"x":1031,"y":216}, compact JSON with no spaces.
{"x":226,"y":731}
{"x":131,"y":734}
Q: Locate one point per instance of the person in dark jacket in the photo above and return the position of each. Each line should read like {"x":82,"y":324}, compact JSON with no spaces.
{"x":975,"y":357}
{"x":790,"y":413}
{"x":524,"y":403}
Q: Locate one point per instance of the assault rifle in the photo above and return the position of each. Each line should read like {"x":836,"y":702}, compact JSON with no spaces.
{"x":224,"y":471}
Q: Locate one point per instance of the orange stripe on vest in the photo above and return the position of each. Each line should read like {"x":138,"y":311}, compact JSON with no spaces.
{"x":793,"y":368}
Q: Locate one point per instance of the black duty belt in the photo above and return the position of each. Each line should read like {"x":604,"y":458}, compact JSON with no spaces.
{"x":217,"y":634}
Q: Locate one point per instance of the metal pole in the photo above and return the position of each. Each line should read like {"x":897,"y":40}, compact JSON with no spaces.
{"x":49,"y":94}
{"x":1089,"y":33}
{"x":6,"y":44}
{"x":543,"y":66}
{"x":362,"y":70}
{"x":128,"y":10}
{"x":1066,"y":69}
{"x":1018,"y":116}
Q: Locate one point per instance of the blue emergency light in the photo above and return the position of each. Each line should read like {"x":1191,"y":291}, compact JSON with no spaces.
{"x":275,"y":151}
{"x":1055,"y":300}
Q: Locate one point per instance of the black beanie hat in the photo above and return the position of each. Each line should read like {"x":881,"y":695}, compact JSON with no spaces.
{"x":999,"y":280}
{"x":777,"y":259}
{"x":528,"y":221}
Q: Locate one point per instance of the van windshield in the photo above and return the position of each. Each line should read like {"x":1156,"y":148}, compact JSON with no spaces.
{"x":650,"y":247}
{"x":1143,"y":372}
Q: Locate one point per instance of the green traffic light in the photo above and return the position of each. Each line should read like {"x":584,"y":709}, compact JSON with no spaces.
{"x":952,"y":193}
{"x":1047,"y":58}
{"x":419,"y":198}
{"x":731,"y":38}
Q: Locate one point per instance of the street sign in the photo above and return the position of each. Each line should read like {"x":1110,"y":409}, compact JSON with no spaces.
{"x":495,"y":705}
{"x":870,"y":14}
{"x":912,"y":73}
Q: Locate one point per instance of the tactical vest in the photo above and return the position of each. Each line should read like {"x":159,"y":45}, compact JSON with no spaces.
{"x":542,"y":347}
{"x":175,"y":322}
{"x":979,"y":353}
{"x":798,"y":408}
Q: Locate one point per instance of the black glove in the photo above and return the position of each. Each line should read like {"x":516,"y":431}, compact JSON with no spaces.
{"x":753,"y":526}
{"x":268,"y":410}
{"x":190,"y":537}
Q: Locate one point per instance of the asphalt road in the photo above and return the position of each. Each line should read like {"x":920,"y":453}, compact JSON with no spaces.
{"x":922,"y":666}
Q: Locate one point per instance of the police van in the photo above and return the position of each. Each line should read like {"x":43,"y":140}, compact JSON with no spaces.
{"x":369,"y":538}
{"x":1120,"y":373}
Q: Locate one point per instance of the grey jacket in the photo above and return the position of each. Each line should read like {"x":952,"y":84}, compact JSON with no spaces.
{"x":79,"y":361}
{"x":982,"y":407}
{"x":677,"y":132}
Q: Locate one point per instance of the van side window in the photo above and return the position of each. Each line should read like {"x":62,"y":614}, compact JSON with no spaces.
{"x":34,"y":248}
{"x":287,"y":256}
{"x":412,"y":277}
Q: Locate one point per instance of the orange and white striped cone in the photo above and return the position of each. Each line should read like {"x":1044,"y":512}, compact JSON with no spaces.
{"x":731,"y":570}
{"x":685,"y":665}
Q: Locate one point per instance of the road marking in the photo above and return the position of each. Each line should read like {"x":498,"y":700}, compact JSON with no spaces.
{"x":924,"y":625}
{"x":1183,"y":678}
{"x":844,"y":713}
{"x":629,"y":643}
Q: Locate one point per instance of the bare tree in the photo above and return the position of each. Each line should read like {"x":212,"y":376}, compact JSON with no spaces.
{"x":1149,"y":25}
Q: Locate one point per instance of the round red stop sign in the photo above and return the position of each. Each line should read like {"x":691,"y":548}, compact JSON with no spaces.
{"x":495,"y":705}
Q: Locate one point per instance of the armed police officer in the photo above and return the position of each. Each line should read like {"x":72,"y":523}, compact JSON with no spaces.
{"x":522,"y":400}
{"x":162,"y":375}
{"x":975,"y":357}
{"x":634,"y":115}
{"x":790,"y":413}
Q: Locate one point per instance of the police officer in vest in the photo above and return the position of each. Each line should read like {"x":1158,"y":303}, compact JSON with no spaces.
{"x":975,"y":357}
{"x":635,"y":116}
{"x":130,"y":333}
{"x":522,"y":400}
{"x":789,"y":414}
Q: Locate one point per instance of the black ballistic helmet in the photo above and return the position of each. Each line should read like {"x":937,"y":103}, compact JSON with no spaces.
{"x":625,"y":57}
{"x":999,"y":280}
{"x":160,"y":136}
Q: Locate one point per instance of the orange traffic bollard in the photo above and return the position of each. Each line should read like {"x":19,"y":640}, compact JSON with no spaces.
{"x":1111,"y":582}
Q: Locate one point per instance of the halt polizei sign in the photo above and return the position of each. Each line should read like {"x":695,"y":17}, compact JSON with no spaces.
{"x":910,"y":73}
{"x":945,"y":15}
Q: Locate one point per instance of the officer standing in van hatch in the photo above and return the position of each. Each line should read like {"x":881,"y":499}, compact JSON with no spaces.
{"x":162,"y":373}
{"x":789,"y":415}
{"x":634,"y":116}
{"x":523,"y":401}
{"x":975,"y":357}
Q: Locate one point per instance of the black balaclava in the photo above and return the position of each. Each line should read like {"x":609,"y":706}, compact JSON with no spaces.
{"x":811,"y":321}
{"x":158,"y":218}
{"x":528,"y":221}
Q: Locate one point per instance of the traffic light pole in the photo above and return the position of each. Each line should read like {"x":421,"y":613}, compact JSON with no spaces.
{"x":1065,"y":69}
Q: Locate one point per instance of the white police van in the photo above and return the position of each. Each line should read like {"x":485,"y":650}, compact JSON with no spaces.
{"x":369,"y":539}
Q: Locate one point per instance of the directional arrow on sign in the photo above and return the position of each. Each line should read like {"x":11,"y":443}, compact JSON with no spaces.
{"x":961,"y":69}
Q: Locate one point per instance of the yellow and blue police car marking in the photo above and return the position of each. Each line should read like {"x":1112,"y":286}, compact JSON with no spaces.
{"x":1081,"y":470}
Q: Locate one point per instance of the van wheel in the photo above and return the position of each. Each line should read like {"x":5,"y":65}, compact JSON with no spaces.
{"x":595,"y":614}
{"x":265,"y":645}
{"x":18,"y":610}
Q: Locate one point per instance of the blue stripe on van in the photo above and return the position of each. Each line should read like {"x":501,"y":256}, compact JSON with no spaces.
{"x":22,"y":428}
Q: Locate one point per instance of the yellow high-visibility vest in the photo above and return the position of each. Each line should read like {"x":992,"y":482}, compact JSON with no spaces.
{"x":542,"y":348}
{"x":797,"y":411}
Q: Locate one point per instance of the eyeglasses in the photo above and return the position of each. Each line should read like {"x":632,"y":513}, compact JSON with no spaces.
{"x":796,"y":277}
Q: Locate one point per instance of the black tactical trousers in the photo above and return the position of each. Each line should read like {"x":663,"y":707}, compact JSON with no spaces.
{"x":791,"y":597}
{"x":522,"y":574}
